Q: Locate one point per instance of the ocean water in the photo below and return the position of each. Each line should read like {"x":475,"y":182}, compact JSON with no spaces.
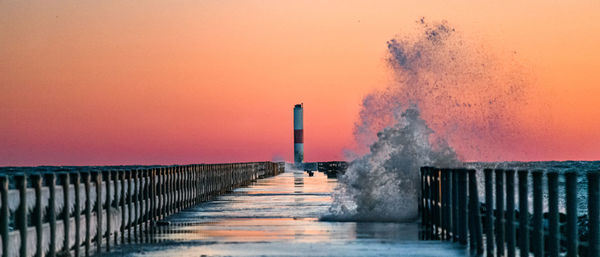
{"x":581,"y":167}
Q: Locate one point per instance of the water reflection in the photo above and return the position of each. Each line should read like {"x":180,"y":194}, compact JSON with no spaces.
{"x":276,"y":216}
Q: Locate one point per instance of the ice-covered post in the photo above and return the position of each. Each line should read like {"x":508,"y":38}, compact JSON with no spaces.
{"x":553,"y":232}
{"x":594,"y":213}
{"x":97,"y":178}
{"x":21,"y":215}
{"x":572,"y":234}
{"x":36,"y":182}
{"x":510,"y":213}
{"x":523,"y":213}
{"x":125,"y":221}
{"x":489,"y":212}
{"x":114,"y":175}
{"x":475,"y":215}
{"x":106,"y":175}
{"x":64,"y":179}
{"x":85,"y":176}
{"x":4,"y":216}
{"x":538,"y":217}
{"x":76,"y":181}
{"x":128,"y":201}
{"x":50,"y":179}
{"x":444,"y":199}
{"x":153,"y":214}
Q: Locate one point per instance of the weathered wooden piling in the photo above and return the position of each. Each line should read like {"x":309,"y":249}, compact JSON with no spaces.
{"x":489,"y":212}
{"x":572,"y":230}
{"x":21,"y":215}
{"x":594,"y":213}
{"x":4,"y":216}
{"x":499,"y":212}
{"x":86,"y":178}
{"x":537,"y":242}
{"x":51,"y":184}
{"x":462,"y":207}
{"x":523,"y":213}
{"x":475,"y":214}
{"x":510,"y":213}
{"x":36,"y":183}
{"x":74,"y":176}
{"x":454,"y":205}
{"x":553,"y":243}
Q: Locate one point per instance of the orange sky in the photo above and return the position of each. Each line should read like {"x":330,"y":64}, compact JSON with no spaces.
{"x":158,"y":82}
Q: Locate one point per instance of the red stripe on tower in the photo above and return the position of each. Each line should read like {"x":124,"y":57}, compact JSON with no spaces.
{"x":298,"y":136}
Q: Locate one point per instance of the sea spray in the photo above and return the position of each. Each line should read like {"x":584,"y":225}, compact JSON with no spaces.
{"x":447,"y":91}
{"x":383,"y":185}
{"x":470,"y":96}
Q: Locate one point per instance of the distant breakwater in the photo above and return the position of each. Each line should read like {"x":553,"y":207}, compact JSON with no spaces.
{"x":58,"y":211}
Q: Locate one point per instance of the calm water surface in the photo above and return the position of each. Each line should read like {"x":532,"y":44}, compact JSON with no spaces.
{"x":279,"y":217}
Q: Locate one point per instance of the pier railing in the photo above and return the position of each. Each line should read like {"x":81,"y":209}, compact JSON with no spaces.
{"x":451,"y":210}
{"x":74,"y":212}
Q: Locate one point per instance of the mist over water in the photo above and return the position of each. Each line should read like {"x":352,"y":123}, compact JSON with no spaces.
{"x":450,"y":99}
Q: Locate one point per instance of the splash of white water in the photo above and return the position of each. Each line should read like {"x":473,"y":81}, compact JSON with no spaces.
{"x":447,"y":92}
{"x":383,"y":185}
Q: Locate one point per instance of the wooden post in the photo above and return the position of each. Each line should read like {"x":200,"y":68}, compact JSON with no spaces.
{"x":475,"y":214}
{"x":88,"y":212}
{"x":499,"y":212}
{"x":510,"y":213}
{"x":553,"y":232}
{"x":125,"y":219}
{"x":489,"y":212}
{"x":572,"y":230}
{"x":97,"y":177}
{"x":51,"y":184}
{"x":454,"y":205}
{"x":36,"y":182}
{"x":4,"y":216}
{"x":106,"y":175}
{"x":21,"y":214}
{"x":114,"y":175}
{"x":421,"y":204}
{"x":76,"y":181}
{"x":523,"y":213}
{"x":594,"y":213}
{"x":537,"y":238}
{"x":462,"y":206}
{"x":129,"y":201}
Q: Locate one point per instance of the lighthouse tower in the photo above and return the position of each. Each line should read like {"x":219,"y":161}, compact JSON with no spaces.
{"x":298,"y":135}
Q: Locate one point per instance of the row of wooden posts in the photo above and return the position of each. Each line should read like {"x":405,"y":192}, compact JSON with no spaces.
{"x":451,"y":210}
{"x":59,"y":213}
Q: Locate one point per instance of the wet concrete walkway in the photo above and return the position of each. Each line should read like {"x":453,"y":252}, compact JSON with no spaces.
{"x":279,"y":217}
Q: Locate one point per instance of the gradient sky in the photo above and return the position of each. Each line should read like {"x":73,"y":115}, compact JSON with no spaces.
{"x":156,"y":82}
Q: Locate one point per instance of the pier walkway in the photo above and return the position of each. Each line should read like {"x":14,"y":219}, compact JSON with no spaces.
{"x":278,"y":216}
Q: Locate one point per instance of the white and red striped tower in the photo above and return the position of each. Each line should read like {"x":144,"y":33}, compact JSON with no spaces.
{"x":298,"y":135}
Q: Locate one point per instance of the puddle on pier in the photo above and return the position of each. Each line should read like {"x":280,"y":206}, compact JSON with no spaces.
{"x":279,"y":217}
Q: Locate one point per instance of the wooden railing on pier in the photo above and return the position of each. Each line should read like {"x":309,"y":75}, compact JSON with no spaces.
{"x":60,"y":213}
{"x":450,"y":210}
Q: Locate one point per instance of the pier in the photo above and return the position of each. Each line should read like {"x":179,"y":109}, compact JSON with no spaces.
{"x":258,"y":209}
{"x":81,"y":212}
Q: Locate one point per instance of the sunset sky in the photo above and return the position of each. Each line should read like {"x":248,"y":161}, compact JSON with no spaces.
{"x":173,"y":82}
